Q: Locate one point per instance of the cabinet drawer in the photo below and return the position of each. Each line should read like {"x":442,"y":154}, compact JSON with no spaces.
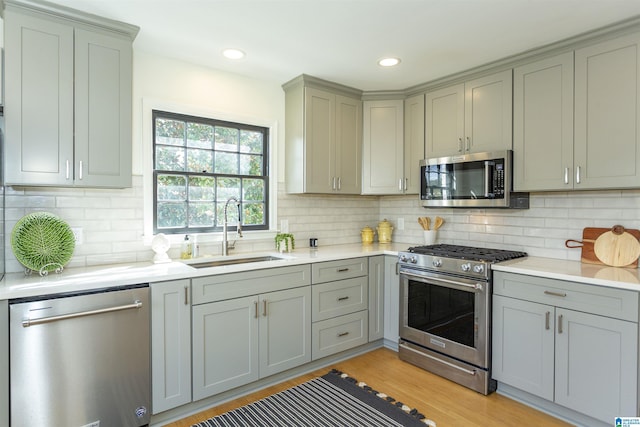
{"x":616,"y":303}
{"x":330,"y":271}
{"x":338,"y":334}
{"x":236,"y":285}
{"x":337,"y":298}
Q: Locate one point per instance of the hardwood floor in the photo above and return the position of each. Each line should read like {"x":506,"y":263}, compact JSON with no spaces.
{"x":444,"y":402}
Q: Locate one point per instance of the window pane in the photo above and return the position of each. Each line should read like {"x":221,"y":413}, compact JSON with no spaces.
{"x":199,"y":135}
{"x":226,"y":139}
{"x":253,"y":190}
{"x":250,"y":141}
{"x":250,"y":165}
{"x":201,"y":214}
{"x":172,"y":214}
{"x":253,"y":214}
{"x":199,"y":160}
{"x":226,"y":163}
{"x":169,"y":132}
{"x":172,"y":187}
{"x":232,"y":214}
{"x":201,"y":188}
{"x":227,"y":187}
{"x":169,"y":158}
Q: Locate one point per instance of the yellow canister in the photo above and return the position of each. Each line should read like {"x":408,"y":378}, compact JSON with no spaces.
{"x":367,"y":235}
{"x":384,"y":231}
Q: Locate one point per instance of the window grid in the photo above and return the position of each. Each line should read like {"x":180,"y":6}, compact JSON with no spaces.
{"x":198,"y":164}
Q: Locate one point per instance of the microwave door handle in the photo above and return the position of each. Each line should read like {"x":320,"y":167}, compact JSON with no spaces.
{"x":487,"y":177}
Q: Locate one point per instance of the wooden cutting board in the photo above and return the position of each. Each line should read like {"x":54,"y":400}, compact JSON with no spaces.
{"x":589,"y":237}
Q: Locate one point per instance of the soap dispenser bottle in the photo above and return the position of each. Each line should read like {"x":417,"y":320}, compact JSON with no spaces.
{"x":186,"y":250}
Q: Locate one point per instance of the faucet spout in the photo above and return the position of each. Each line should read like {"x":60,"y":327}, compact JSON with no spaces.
{"x":225,"y":226}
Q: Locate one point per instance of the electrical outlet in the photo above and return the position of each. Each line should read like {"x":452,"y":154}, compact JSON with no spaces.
{"x":400,"y":224}
{"x":77,"y":235}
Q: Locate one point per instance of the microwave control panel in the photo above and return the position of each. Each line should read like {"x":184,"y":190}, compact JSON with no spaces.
{"x":498,"y":180}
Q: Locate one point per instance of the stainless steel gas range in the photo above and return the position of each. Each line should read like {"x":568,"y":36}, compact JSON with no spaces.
{"x":445,"y":311}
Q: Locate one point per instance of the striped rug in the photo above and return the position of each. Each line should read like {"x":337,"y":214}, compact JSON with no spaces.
{"x":334,"y":399}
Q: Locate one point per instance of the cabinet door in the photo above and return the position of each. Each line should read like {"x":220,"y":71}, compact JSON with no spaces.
{"x":225,"y":334}
{"x":607,"y":113}
{"x":543,"y":124}
{"x":285,"y":330}
{"x":39,"y":101}
{"x":392,"y":299}
{"x":320,"y":151}
{"x":488,"y":113}
{"x":348,"y":145}
{"x":376,"y":297}
{"x":102,"y":110}
{"x":414,"y":143}
{"x":444,"y":125}
{"x":382,"y":153}
{"x":523,"y":345}
{"x":596,"y":364}
{"x":4,"y":363}
{"x":170,"y":344}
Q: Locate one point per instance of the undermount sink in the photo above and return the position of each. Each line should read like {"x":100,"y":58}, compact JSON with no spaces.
{"x":233,"y":261}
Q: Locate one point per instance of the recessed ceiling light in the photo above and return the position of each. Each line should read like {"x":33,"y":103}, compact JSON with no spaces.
{"x":389,"y":62}
{"x":233,"y":53}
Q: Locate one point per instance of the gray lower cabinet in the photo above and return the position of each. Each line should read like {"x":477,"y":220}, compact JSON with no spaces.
{"x":170,"y":344}
{"x":4,"y":363}
{"x":571,"y":344}
{"x":240,"y":335}
{"x":376,"y":297}
{"x":68,"y":107}
{"x":392,"y":302}
{"x":340,"y":315}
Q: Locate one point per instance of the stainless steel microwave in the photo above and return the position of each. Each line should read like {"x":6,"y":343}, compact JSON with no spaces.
{"x":477,"y":180}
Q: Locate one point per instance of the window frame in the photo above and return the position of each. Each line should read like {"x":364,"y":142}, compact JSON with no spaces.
{"x":265,"y":177}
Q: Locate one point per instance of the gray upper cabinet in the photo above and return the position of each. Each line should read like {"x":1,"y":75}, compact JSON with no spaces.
{"x":543,"y":124}
{"x":323,"y":137}
{"x":67,"y":99}
{"x":575,"y":119}
{"x":472,"y":117}
{"x":607,"y":113}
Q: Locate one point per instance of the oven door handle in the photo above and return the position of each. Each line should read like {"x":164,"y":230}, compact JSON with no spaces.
{"x":476,"y":287}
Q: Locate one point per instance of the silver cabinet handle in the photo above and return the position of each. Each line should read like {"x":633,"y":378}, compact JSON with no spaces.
{"x":560,"y":324}
{"x":406,"y":184}
{"x":460,"y":147}
{"x":343,"y":298}
{"x":28,"y":322}
{"x":468,"y":146}
{"x":80,"y":173}
{"x":333,"y":183}
{"x":343,"y":334}
{"x":255,"y":305}
{"x":555,"y":294}
{"x":339,"y":183}
{"x":566,"y":175}
{"x":578,"y":175}
{"x":264,"y":307}
{"x":342,"y":270}
{"x":68,"y":170}
{"x":547,"y":317}
{"x":186,"y":295}
{"x":400,"y":185}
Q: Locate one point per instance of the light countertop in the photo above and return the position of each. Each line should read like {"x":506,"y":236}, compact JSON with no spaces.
{"x":17,"y":285}
{"x":575,"y":271}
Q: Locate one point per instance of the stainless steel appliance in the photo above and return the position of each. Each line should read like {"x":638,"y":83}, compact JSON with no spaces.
{"x":81,"y":359}
{"x":477,"y":180}
{"x":445,"y":311}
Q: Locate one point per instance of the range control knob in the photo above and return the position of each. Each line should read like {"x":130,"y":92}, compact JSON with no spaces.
{"x":478,"y":268}
{"x":465,"y":267}
{"x":403,"y":258}
{"x":414,"y":260}
{"x":437,"y":262}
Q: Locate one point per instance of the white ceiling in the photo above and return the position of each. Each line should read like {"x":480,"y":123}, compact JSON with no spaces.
{"x":341,"y":40}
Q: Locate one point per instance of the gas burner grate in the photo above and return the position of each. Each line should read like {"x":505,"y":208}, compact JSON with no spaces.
{"x":467,"y":252}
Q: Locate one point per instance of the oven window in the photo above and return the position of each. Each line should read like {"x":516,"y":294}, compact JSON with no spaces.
{"x":444,"y":312}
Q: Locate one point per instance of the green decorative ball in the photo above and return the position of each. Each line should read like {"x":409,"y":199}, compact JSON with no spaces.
{"x":41,"y":240}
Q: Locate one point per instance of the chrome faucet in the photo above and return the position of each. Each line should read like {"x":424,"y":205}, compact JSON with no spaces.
{"x":225,"y":240}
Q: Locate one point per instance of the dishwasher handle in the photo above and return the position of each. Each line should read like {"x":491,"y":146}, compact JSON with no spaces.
{"x":29,"y":322}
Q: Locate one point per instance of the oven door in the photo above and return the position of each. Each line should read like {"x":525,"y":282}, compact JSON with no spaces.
{"x":447,"y":314}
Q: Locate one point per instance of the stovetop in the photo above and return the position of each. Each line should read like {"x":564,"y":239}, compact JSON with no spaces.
{"x":470,"y":253}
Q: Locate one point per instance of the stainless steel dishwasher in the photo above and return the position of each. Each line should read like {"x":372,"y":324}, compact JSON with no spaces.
{"x":81,"y":359}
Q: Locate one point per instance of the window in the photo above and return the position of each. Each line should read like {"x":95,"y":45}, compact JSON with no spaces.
{"x":200,"y":163}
